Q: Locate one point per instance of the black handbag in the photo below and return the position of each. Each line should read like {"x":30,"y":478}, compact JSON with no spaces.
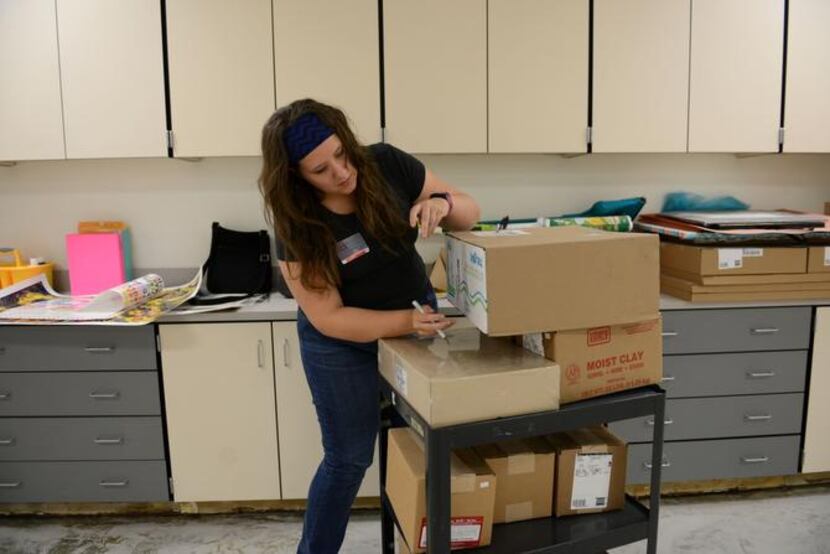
{"x":239,"y":262}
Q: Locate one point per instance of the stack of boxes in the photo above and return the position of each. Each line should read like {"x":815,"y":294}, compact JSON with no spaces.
{"x":712,"y":274}
{"x":566,"y":314}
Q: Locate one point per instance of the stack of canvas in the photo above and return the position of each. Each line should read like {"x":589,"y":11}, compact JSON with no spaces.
{"x":713,"y":274}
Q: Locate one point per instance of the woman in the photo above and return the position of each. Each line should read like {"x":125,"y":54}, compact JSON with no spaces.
{"x":345,"y":217}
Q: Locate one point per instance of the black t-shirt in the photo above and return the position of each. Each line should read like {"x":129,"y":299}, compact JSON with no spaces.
{"x":379,"y":279}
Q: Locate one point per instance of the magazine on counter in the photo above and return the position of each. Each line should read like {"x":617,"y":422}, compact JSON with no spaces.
{"x":136,"y":302}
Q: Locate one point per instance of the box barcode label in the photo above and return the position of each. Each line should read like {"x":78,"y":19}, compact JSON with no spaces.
{"x":827,"y":255}
{"x":730,"y":258}
{"x":753,"y":252}
{"x":592,"y":479}
{"x":401,"y":378}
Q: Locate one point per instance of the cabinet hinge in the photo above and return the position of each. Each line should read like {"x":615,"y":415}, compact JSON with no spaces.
{"x":383,"y":134}
{"x":589,"y":135}
{"x":781,"y":136}
{"x":170,"y":137}
{"x":158,"y":343}
{"x":170,"y":482}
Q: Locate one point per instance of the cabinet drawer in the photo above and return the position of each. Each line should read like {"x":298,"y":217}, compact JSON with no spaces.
{"x":717,"y":459}
{"x":727,"y":416}
{"x":736,"y":330}
{"x":81,"y":438}
{"x":83,"y":482}
{"x":68,"y":348}
{"x":734,"y":374}
{"x":79,"y":393}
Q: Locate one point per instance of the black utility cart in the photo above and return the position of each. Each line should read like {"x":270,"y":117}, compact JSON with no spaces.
{"x":582,"y":534}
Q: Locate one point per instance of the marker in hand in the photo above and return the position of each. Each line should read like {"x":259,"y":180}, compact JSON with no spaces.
{"x":420,"y":309}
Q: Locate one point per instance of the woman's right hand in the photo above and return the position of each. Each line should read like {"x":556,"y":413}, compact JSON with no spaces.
{"x":428,"y":324}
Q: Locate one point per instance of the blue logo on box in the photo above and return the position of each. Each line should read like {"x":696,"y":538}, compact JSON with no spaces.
{"x":476,"y":260}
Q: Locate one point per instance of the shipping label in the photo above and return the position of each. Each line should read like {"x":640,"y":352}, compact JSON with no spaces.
{"x":465,"y":532}
{"x":592,"y":481}
{"x":730,"y":258}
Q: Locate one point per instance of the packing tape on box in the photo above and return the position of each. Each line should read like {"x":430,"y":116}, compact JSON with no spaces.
{"x":518,"y":511}
{"x":518,"y":464}
{"x":463,"y":483}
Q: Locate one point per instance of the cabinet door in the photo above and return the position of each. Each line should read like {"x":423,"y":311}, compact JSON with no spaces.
{"x":221,"y":422}
{"x":736,"y":69}
{"x":816,"y":445}
{"x":641,"y":75}
{"x":807,"y":111}
{"x":31,"y":127}
{"x":112,"y":77}
{"x":221,"y":75}
{"x":435,"y":67}
{"x":329,"y":51}
{"x":301,"y":448}
{"x":538,"y":75}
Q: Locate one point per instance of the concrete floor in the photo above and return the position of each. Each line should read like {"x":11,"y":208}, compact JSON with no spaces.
{"x":777,"y":522}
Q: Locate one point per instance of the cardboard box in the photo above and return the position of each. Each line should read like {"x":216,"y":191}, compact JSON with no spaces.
{"x":468,"y":377}
{"x":602,"y":360}
{"x":707,"y":260}
{"x":590,"y":471}
{"x":694,"y":293}
{"x":818,"y":260}
{"x":769,"y":279}
{"x":472,"y":485}
{"x":546,"y":279}
{"x":524,"y":472}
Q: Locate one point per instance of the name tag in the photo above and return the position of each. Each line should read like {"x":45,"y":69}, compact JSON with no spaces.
{"x":351,"y":248}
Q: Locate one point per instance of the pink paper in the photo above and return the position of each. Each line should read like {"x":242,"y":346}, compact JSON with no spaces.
{"x":95,"y":262}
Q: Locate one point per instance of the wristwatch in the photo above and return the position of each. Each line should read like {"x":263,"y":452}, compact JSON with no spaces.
{"x":446,"y":196}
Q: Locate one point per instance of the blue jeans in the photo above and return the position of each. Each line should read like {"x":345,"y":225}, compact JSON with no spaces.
{"x":343,"y":379}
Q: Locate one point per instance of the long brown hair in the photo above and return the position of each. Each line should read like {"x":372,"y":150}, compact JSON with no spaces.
{"x":293,"y":207}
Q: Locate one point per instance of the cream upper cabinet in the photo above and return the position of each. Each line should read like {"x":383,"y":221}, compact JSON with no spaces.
{"x":736,"y":69}
{"x":31,"y":126}
{"x":435,"y":68}
{"x":301,"y":449}
{"x":221,"y":417}
{"x":641,"y":75}
{"x":329,"y":51}
{"x":112,"y":76}
{"x":221,"y":68}
{"x":806,"y":105}
{"x":816,"y":444}
{"x":538,"y":75}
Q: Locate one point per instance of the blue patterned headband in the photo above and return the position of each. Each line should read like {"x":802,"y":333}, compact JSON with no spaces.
{"x":304,"y":135}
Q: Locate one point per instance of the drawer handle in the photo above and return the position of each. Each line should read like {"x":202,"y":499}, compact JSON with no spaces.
{"x":114,"y":484}
{"x":7,"y":442}
{"x":669,"y":334}
{"x":759,"y":417}
{"x":667,"y":378}
{"x":664,"y":464}
{"x":761,"y":460}
{"x":109,"y":441}
{"x":760,"y":374}
{"x":104,"y":395}
{"x":99,"y":349}
{"x":260,"y":354}
{"x":650,"y":421}
{"x":5,"y":395}
{"x":764,"y":331}
{"x":10,"y":484}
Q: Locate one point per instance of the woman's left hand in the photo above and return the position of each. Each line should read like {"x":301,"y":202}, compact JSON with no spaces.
{"x":428,"y":213}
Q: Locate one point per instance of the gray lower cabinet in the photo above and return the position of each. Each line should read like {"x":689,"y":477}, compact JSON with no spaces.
{"x":724,"y":416}
{"x":717,"y":459}
{"x":90,"y":481}
{"x":80,"y":415}
{"x":735,"y":381}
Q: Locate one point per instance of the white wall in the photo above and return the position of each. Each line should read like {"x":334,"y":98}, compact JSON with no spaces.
{"x":171,"y":203}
